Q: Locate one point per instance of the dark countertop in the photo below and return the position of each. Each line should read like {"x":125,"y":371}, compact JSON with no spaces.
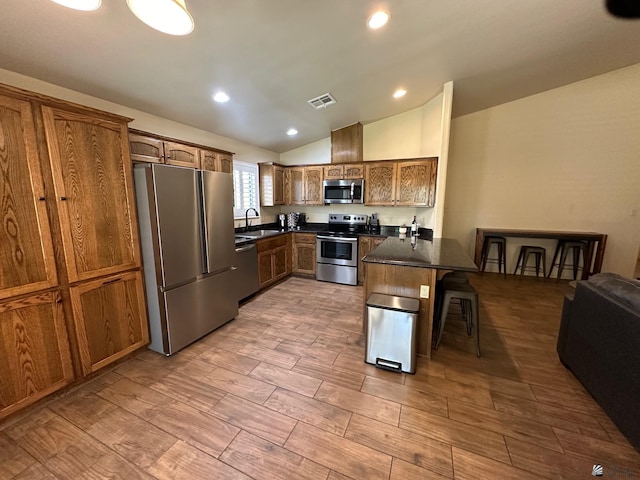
{"x":440,"y":253}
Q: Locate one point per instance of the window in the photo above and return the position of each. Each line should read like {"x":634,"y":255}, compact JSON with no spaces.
{"x":245,"y":188}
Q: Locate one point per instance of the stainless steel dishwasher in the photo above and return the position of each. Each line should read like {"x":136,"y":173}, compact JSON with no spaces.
{"x":247,"y":282}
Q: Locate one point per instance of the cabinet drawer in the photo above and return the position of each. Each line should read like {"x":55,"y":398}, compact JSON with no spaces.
{"x":304,"y":238}
{"x":267,"y":244}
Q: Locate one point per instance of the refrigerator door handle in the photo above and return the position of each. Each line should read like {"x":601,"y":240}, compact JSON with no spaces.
{"x":206,"y":267}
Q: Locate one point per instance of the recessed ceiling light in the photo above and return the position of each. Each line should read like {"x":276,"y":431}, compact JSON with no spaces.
{"x":292,"y":131}
{"x":399,"y":93}
{"x":378,"y":19}
{"x":221,"y":97}
{"x":86,"y":5}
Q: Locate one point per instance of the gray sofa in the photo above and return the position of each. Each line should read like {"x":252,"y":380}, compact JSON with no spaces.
{"x":599,"y":341}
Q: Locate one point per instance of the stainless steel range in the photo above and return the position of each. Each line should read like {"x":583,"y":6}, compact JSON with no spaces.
{"x":337,"y":249}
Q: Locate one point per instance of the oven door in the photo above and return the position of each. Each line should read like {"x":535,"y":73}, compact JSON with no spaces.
{"x":337,"y":250}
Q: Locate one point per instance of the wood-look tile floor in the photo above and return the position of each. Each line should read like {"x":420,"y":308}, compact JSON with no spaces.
{"x":283,"y":392}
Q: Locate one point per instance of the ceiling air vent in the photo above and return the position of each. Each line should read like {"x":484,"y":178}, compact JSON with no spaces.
{"x":322,"y":101}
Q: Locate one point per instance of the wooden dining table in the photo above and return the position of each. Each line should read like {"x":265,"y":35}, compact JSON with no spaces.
{"x":593,"y":256}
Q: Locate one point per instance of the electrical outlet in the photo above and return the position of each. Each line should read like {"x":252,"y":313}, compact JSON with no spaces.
{"x":424,"y":291}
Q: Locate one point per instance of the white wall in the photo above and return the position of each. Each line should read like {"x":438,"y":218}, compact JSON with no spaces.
{"x":316,"y":152}
{"x":565,"y":159}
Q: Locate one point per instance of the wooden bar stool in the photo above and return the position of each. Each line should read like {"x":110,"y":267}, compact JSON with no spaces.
{"x":501,"y":259}
{"x":562,"y":250}
{"x":539,"y":253}
{"x":467,"y":295}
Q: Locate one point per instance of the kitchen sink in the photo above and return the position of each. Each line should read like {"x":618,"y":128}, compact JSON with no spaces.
{"x":257,"y":233}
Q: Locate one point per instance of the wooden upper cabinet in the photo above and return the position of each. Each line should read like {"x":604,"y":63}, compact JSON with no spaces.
{"x":34,"y":350}
{"x":92,"y":177}
{"x":353,"y":171}
{"x":216,"y":161}
{"x":27,"y":261}
{"x":380,"y":183}
{"x":346,"y":144}
{"x":295,"y":181}
{"x":225,"y":163}
{"x":345,"y":171}
{"x":208,"y":160}
{"x":181,"y":155}
{"x":272,"y":184}
{"x":333,"y":172}
{"x":146,"y":149}
{"x":416,"y":183}
{"x":313,"y":185}
{"x":110,"y":319}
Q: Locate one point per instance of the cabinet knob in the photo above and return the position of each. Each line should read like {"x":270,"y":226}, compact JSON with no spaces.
{"x":63,"y":198}
{"x":41,"y":199}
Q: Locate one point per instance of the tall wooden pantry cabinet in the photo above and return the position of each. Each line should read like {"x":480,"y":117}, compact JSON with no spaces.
{"x":71,"y":292}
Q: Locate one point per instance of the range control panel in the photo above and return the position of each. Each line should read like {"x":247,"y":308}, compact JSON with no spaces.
{"x":349,"y":218}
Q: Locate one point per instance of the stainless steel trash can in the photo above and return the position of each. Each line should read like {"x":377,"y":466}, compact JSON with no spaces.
{"x":391,"y":332}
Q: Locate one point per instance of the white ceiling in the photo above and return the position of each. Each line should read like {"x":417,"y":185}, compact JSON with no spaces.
{"x":271,"y":56}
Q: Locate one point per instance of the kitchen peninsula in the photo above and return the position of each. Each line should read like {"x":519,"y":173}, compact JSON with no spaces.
{"x":400,"y":267}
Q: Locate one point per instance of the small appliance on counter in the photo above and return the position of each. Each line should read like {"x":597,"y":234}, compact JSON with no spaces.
{"x":282,"y":219}
{"x":295,"y":220}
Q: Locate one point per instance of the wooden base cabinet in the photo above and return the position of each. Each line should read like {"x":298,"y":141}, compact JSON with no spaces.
{"x":110,"y":319}
{"x":274,"y":259}
{"x":365,"y":246}
{"x":304,"y":253}
{"x":34,"y":351}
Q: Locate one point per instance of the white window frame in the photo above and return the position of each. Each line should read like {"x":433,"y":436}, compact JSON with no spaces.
{"x":252,"y":169}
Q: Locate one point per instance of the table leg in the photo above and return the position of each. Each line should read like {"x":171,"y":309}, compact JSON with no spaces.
{"x":602,"y":243}
{"x":588,"y":257}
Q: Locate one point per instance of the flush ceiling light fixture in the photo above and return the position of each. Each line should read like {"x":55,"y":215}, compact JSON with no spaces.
{"x":167,"y":16}
{"x":220,"y":97}
{"x":378,"y":19}
{"x":86,"y":5}
{"x":292,"y":131}
{"x":399,"y":93}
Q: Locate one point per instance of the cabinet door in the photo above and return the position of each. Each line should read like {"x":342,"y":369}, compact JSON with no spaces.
{"x":146,"y":149}
{"x":265,"y":268}
{"x":313,"y":185}
{"x":380,"y":183}
{"x":94,"y":189}
{"x":27,"y":261}
{"x":364,"y":247}
{"x":333,"y":172}
{"x":281,"y":266}
{"x":208,"y":160}
{"x":110,"y":319}
{"x":414,"y":183}
{"x":353,"y":171}
{"x":272,"y":184}
{"x":181,"y":155}
{"x":346,"y":144}
{"x":295,"y":192}
{"x":278,"y":185}
{"x":304,"y":258}
{"x":34,"y":351}
{"x":224,"y":163}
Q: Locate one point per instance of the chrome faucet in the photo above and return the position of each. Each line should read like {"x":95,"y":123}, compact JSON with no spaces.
{"x":246,"y":217}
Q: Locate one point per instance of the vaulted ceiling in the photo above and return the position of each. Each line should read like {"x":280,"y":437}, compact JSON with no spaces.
{"x":271,"y":56}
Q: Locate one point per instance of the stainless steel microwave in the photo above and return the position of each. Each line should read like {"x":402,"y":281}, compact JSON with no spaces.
{"x":343,"y":191}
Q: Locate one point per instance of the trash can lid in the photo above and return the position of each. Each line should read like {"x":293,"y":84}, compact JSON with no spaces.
{"x":392,"y":302}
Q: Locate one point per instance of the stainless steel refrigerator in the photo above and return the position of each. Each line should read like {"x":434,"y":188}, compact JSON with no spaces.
{"x":188,"y":248}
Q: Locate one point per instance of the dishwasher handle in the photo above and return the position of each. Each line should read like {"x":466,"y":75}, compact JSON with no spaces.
{"x":245,"y":248}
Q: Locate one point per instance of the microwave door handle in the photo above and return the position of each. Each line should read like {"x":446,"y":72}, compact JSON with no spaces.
{"x":353,"y":186}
